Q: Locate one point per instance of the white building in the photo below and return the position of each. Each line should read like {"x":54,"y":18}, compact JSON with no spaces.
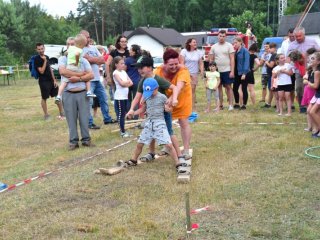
{"x":155,"y":40}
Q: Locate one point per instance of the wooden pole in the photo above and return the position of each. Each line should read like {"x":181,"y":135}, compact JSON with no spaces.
{"x":131,"y":125}
{"x":17,"y":70}
{"x":188,"y":213}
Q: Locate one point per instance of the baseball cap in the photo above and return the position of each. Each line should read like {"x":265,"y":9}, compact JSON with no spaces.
{"x":143,"y":61}
{"x":149,"y":85}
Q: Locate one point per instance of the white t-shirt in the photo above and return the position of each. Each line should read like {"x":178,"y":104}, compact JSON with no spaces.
{"x":221,"y":54}
{"x":191,"y":60}
{"x":283,"y":79}
{"x":121,"y":93}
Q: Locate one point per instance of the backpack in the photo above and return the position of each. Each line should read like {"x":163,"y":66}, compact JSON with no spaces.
{"x":32,"y":68}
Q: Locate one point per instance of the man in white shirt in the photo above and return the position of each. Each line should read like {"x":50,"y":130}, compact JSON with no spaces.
{"x":223,"y":54}
{"x":285,"y":44}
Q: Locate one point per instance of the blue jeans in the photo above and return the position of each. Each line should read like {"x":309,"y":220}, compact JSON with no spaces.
{"x":98,"y":89}
{"x":168,"y":119}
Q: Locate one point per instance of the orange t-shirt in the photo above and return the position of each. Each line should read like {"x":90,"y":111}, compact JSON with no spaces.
{"x":184,"y":107}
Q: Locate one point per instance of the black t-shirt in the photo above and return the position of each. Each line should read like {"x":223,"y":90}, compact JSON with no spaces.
{"x":252,"y":58}
{"x":163,"y":84}
{"x":46,"y":76}
{"x":114,"y":53}
{"x":272,"y":59}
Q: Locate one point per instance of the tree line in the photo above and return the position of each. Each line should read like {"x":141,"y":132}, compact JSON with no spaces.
{"x":22,"y":25}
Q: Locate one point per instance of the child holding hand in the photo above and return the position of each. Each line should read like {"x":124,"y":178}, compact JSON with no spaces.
{"x":212,"y":81}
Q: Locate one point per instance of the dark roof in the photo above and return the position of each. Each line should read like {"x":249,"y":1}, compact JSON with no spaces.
{"x":126,"y":33}
{"x":311,"y":23}
{"x":200,"y":38}
{"x":165,"y":36}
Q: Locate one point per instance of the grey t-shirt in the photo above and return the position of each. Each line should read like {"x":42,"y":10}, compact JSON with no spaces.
{"x":92,"y":51}
{"x":304,"y":46}
{"x":84,"y":66}
{"x":155,"y":107}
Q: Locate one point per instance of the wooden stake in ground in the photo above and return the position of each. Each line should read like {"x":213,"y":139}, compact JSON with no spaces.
{"x":188,"y":217}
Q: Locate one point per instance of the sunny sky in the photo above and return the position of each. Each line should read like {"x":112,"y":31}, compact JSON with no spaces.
{"x":57,"y":7}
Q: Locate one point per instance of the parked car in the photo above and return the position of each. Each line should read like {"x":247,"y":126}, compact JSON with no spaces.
{"x":157,"y":61}
{"x":276,"y":40}
{"x":54,"y":52}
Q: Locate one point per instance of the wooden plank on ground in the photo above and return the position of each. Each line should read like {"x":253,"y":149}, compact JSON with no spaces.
{"x":186,"y":177}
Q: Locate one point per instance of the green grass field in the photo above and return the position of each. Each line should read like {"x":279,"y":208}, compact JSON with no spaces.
{"x":256,"y":178}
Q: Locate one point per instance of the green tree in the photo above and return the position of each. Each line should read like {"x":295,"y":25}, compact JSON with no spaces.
{"x":11,"y":29}
{"x":104,"y":17}
{"x":298,"y":6}
{"x":259,"y":28}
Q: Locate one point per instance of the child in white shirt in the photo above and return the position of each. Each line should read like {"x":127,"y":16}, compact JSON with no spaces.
{"x":122,"y":82}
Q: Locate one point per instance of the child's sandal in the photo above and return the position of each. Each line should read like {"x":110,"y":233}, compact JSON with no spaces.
{"x":181,"y":169}
{"x":148,"y":157}
{"x":131,"y":163}
{"x":164,"y":152}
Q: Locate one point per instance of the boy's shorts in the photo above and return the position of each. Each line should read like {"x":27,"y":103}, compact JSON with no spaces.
{"x":264,"y":81}
{"x":155,"y":129}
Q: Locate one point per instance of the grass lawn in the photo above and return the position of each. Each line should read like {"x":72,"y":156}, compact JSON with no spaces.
{"x":256,"y":178}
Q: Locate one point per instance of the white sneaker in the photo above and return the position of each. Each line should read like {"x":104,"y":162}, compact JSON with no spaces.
{"x":230,"y":108}
{"x":90,"y":94}
{"x":125,"y":135}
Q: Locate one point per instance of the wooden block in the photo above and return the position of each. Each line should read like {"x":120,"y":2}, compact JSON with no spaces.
{"x":111,"y":171}
{"x":183,"y":177}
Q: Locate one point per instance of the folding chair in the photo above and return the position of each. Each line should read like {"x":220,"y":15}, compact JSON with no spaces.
{"x":11,"y":75}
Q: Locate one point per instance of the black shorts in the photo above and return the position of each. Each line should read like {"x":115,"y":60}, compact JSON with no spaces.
{"x":96,"y":103}
{"x":250,"y":77}
{"x":285,"y":88}
{"x":47,"y":89}
{"x":293,"y":80}
{"x":225,"y":78}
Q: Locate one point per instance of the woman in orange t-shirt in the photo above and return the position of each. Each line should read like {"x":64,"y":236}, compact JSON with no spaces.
{"x":179,"y":76}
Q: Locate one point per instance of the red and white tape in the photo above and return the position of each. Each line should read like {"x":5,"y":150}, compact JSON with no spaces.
{"x":44,"y":174}
{"x":199,"y":210}
{"x":253,"y":123}
{"x":194,"y":226}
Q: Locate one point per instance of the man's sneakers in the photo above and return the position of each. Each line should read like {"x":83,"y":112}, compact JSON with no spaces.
{"x":125,"y":135}
{"x":230,"y":108}
{"x":93,"y":126}
{"x":112,"y":121}
{"x":90,"y":94}
{"x":88,"y":144}
{"x":266,"y":106}
{"x":73,"y":146}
